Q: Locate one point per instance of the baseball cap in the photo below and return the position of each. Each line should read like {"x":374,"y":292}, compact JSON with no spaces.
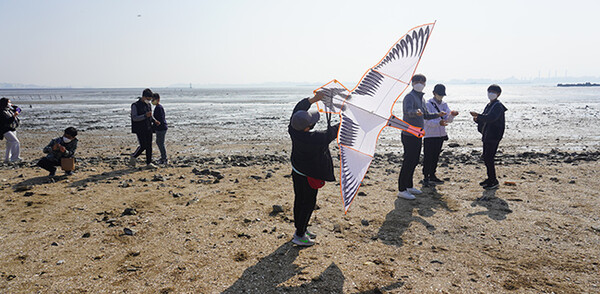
{"x":303,"y":119}
{"x":440,"y":89}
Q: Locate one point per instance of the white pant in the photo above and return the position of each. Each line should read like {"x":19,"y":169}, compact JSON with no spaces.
{"x":13,"y":146}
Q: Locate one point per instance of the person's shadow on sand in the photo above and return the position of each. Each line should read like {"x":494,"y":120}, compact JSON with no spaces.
{"x":29,"y":183}
{"x":278,"y":267}
{"x":398,"y":220}
{"x":497,"y":208}
{"x":273,"y":270}
{"x":104,"y":176}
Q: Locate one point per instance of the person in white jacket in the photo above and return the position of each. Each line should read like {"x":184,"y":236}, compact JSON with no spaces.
{"x":435,"y":134}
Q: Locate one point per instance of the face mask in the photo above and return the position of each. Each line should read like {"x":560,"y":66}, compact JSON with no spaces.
{"x":147,"y":101}
{"x":492,"y":96}
{"x":155,"y":102}
{"x":419,"y":87}
{"x":66,"y":140}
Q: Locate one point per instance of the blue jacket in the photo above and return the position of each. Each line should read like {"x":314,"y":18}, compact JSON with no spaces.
{"x":310,"y":150}
{"x":159,"y":115}
{"x":491,"y":122}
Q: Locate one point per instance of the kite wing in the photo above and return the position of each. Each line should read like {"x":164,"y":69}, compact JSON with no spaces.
{"x":367,"y":109}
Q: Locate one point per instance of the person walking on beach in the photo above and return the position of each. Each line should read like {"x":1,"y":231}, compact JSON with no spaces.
{"x":491,"y":124}
{"x":414,"y":110}
{"x":435,"y":134}
{"x":160,"y":127}
{"x":141,"y":125}
{"x":9,"y":122}
{"x":61,"y":147}
{"x":311,"y":164}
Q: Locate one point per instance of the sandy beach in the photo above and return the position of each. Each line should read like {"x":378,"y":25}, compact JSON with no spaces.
{"x":207,"y":224}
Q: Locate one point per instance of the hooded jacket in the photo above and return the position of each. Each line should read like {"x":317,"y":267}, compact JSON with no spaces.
{"x":491,"y":122}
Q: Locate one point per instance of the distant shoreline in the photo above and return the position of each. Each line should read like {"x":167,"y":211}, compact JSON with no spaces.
{"x":588,"y":84}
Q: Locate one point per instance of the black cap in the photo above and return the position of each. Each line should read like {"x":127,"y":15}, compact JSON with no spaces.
{"x":440,"y":89}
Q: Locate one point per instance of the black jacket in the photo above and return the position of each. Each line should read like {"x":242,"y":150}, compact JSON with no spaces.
{"x":145,"y":125}
{"x":491,"y":122}
{"x":56,"y":155}
{"x":7,"y":121}
{"x":310,"y":150}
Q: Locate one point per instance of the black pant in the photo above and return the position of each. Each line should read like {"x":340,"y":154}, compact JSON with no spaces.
{"x":48,"y":164}
{"x":489,"y":152}
{"x":304,"y":202}
{"x":431,"y":154}
{"x":412,"y":152}
{"x":145,"y":141}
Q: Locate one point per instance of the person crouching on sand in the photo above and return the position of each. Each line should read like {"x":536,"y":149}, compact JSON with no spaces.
{"x":490,"y":124}
{"x":61,"y":147}
{"x":311,"y":164}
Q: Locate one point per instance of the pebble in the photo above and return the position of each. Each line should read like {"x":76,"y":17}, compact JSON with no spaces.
{"x":129,"y":211}
{"x":60,"y":262}
{"x":364,"y":222}
{"x":277,"y":209}
{"x":86,"y":235}
{"x":128,"y":232}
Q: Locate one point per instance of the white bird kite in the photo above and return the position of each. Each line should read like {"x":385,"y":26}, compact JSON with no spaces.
{"x":367,"y":109}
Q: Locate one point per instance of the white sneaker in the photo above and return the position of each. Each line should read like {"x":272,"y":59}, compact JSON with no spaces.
{"x":406,"y":195}
{"x":151,"y":166}
{"x":414,"y":191}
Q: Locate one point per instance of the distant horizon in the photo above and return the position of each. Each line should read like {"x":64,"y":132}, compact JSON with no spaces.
{"x":509,"y":80}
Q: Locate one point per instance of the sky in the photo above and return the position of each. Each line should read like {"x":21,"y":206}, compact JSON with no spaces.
{"x":130,"y":43}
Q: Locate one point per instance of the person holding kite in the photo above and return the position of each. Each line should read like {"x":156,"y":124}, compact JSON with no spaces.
{"x":490,"y":124}
{"x":414,"y":110}
{"x":311,"y":162}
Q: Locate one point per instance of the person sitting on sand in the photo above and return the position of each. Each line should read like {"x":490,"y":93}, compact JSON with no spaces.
{"x":61,"y":147}
{"x":490,"y":124}
{"x":311,"y":164}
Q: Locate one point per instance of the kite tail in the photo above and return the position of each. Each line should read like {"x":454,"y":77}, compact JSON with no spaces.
{"x":402,"y":125}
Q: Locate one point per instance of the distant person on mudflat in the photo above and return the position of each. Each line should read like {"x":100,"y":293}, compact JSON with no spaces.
{"x":141,"y":126}
{"x":58,"y":148}
{"x":160,"y":127}
{"x":9,"y":122}
{"x":491,"y":124}
{"x":435,"y":134}
{"x":311,"y":162}
{"x":414,"y":110}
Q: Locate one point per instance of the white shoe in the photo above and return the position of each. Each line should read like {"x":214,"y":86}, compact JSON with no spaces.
{"x":414,"y":191}
{"x":151,"y":166}
{"x":406,"y":195}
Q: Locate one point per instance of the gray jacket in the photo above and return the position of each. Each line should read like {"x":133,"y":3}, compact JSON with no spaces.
{"x":411,"y":103}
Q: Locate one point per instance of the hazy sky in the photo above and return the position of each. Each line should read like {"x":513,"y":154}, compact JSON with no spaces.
{"x":159,"y":43}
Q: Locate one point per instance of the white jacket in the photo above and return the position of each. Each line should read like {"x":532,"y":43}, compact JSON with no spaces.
{"x":432,"y":127}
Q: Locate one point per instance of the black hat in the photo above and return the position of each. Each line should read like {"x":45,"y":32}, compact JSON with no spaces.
{"x":440,"y":89}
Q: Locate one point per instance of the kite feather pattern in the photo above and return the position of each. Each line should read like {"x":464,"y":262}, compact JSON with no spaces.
{"x":367,"y":109}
